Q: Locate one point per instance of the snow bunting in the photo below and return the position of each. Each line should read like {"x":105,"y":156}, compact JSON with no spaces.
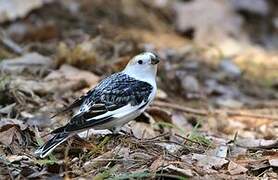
{"x":115,"y":101}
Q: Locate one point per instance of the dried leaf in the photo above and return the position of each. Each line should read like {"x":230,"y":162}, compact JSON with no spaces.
{"x":12,"y":9}
{"x":140,"y":155}
{"x":171,"y":148}
{"x":15,"y":158}
{"x":73,"y":74}
{"x":159,"y":114}
{"x":186,"y":172}
{"x":159,"y":162}
{"x":258,"y":165}
{"x":273,"y":162}
{"x":6,"y":137}
{"x":256,"y":143}
{"x":219,"y":12}
{"x":97,"y":162}
{"x":208,"y":163}
{"x":142,"y":130}
{"x":11,"y":129}
{"x":31,"y":62}
{"x":39,"y":121}
{"x":179,"y":120}
{"x":45,"y":87}
{"x":235,"y":151}
{"x":235,"y":168}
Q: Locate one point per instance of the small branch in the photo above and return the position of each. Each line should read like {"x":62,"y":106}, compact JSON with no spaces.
{"x":187,"y":139}
{"x":203,"y":112}
{"x":120,"y":160}
{"x":257,"y":116}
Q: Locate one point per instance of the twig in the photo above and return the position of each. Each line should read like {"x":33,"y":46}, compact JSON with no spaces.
{"x":203,"y":112}
{"x":187,"y":139}
{"x":155,"y":138}
{"x":117,"y":160}
{"x":257,"y":116}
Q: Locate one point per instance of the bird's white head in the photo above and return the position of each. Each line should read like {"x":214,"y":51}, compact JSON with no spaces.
{"x":143,"y":67}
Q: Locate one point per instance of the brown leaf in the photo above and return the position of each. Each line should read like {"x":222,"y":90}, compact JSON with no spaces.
{"x":11,"y":129}
{"x":256,"y":143}
{"x":6,"y":137}
{"x":235,"y":151}
{"x":171,"y":148}
{"x":45,"y":87}
{"x":258,"y":165}
{"x":12,"y":9}
{"x":39,"y":121}
{"x":159,"y":114}
{"x":209,"y":163}
{"x":16,"y":158}
{"x":73,"y":74}
{"x":235,"y":168}
{"x":4,"y":123}
{"x":179,"y":120}
{"x":97,"y":162}
{"x":159,"y":162}
{"x":31,"y":62}
{"x":142,"y":130}
{"x":187,"y":172}
{"x":218,"y":12}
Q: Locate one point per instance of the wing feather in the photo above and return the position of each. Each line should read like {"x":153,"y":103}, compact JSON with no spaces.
{"x":78,"y":102}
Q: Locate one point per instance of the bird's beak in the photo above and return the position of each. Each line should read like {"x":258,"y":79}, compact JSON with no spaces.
{"x":154,"y":60}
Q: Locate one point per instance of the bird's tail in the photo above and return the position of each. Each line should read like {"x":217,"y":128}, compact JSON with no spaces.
{"x":50,"y":145}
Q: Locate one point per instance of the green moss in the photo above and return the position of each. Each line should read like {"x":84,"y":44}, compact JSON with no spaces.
{"x":199,"y":138}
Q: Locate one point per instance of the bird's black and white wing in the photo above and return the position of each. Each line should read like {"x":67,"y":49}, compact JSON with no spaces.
{"x":114,"y":97}
{"x":77,"y":103}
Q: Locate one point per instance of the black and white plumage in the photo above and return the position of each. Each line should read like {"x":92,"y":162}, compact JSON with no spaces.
{"x":115,"y":101}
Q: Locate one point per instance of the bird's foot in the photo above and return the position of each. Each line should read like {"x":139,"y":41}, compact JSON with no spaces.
{"x":124,"y":132}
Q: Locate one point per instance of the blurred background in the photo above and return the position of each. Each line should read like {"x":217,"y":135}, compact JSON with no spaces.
{"x":217,"y":55}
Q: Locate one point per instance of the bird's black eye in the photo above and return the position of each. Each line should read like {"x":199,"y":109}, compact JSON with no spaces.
{"x":140,"y":62}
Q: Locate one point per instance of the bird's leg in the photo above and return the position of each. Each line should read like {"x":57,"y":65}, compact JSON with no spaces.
{"x":87,"y":134}
{"x":119,"y":131}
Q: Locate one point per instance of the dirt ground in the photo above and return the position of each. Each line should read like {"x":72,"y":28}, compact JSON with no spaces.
{"x":215,"y":115}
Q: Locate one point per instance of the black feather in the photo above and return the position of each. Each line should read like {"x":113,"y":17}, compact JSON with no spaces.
{"x":52,"y":143}
{"x":78,"y":102}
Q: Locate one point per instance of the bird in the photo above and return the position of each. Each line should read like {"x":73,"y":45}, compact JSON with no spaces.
{"x":113,"y":102}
